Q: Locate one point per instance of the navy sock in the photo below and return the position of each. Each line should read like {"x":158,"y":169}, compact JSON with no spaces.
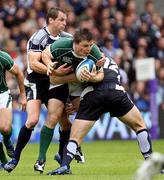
{"x":3,"y":158}
{"x":23,"y":138}
{"x":69,"y":152}
{"x":64,"y":137}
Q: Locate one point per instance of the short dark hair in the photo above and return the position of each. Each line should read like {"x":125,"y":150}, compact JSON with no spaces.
{"x":82,"y":34}
{"x":53,"y":13}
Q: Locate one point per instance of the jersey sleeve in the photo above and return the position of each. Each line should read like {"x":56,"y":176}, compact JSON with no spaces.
{"x":95,"y":53}
{"x":6,"y":60}
{"x":35,"y":47}
{"x":38,"y":41}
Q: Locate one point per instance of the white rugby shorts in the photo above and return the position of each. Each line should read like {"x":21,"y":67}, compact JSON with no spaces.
{"x":5,"y":100}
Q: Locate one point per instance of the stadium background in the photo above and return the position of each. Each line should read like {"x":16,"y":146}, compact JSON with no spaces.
{"x":126,"y":30}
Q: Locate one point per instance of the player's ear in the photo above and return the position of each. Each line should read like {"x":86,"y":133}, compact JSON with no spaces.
{"x":50,"y":20}
{"x":93,"y":42}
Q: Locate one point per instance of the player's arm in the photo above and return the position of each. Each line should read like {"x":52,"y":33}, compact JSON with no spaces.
{"x":34,"y":62}
{"x":97,"y":76}
{"x":47,"y":60}
{"x":63,"y":79}
{"x":20,"y":78}
{"x":97,"y":56}
{"x":94,"y":76}
{"x":101,"y":61}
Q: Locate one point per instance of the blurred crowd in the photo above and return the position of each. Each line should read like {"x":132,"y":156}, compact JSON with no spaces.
{"x":119,"y":31}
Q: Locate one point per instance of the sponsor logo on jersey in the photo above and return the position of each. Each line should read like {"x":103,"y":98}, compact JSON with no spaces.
{"x":67,"y":60}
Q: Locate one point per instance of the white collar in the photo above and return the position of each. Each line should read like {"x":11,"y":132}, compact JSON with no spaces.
{"x":52,"y":37}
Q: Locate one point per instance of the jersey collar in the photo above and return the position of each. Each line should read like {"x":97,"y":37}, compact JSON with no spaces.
{"x":52,"y":37}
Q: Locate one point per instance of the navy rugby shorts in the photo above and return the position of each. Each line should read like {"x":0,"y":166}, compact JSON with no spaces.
{"x":98,"y":102}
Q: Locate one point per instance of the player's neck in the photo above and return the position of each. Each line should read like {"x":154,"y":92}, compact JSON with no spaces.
{"x":53,"y":32}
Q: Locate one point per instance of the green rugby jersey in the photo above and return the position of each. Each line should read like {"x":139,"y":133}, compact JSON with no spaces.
{"x":62,"y":51}
{"x":6,"y":63}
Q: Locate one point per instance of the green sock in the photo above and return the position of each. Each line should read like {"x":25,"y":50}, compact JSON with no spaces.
{"x":6,"y":138}
{"x":45,"y":140}
{"x":3,"y":158}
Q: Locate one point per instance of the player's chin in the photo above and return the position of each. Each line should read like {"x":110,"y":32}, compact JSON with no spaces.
{"x":83,"y":54}
{"x":62,"y":28}
{"x":86,"y":53}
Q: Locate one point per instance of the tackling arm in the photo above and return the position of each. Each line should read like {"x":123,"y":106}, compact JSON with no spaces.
{"x":47,"y":60}
{"x":35,"y":64}
{"x":94,"y":76}
{"x":97,"y":76}
{"x":46,"y":56}
{"x":63,"y":79}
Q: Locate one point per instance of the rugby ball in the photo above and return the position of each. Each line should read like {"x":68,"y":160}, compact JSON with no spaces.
{"x":88,"y":64}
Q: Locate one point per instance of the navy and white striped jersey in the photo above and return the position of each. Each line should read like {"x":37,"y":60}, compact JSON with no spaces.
{"x":111,"y":76}
{"x":38,"y":42}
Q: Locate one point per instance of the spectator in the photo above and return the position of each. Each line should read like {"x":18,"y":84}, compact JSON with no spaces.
{"x":4,"y":35}
{"x":108,"y":48}
{"x":160,"y":90}
{"x":136,"y":35}
{"x":141,"y":96}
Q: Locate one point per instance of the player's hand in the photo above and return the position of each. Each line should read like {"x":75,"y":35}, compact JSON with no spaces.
{"x":63,"y":70}
{"x":50,"y":67}
{"x":101,"y":61}
{"x":94,"y":76}
{"x":85,"y":75}
{"x":89,"y":76}
{"x":69,"y":108}
{"x":23,"y":101}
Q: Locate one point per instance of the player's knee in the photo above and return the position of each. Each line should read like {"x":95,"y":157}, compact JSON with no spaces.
{"x":32,"y":122}
{"x":52,"y":119}
{"x":6,"y":130}
{"x":50,"y":124}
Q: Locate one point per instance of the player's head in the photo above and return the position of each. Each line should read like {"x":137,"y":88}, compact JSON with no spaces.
{"x":83,"y":41}
{"x":56,"y":18}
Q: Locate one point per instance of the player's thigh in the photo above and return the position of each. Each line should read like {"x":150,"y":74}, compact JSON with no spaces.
{"x":5,"y":111}
{"x":5,"y":119}
{"x":133,"y":119}
{"x":79,"y":129}
{"x":55,"y":110}
{"x":33,"y":112}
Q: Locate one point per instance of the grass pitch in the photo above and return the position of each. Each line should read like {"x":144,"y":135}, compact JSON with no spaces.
{"x":105,"y":160}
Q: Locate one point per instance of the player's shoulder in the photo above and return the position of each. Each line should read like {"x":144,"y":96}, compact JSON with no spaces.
{"x":63,"y":43}
{"x":5,"y":55}
{"x":39,"y":36}
{"x":66,"y":34}
{"x":6,"y":58}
